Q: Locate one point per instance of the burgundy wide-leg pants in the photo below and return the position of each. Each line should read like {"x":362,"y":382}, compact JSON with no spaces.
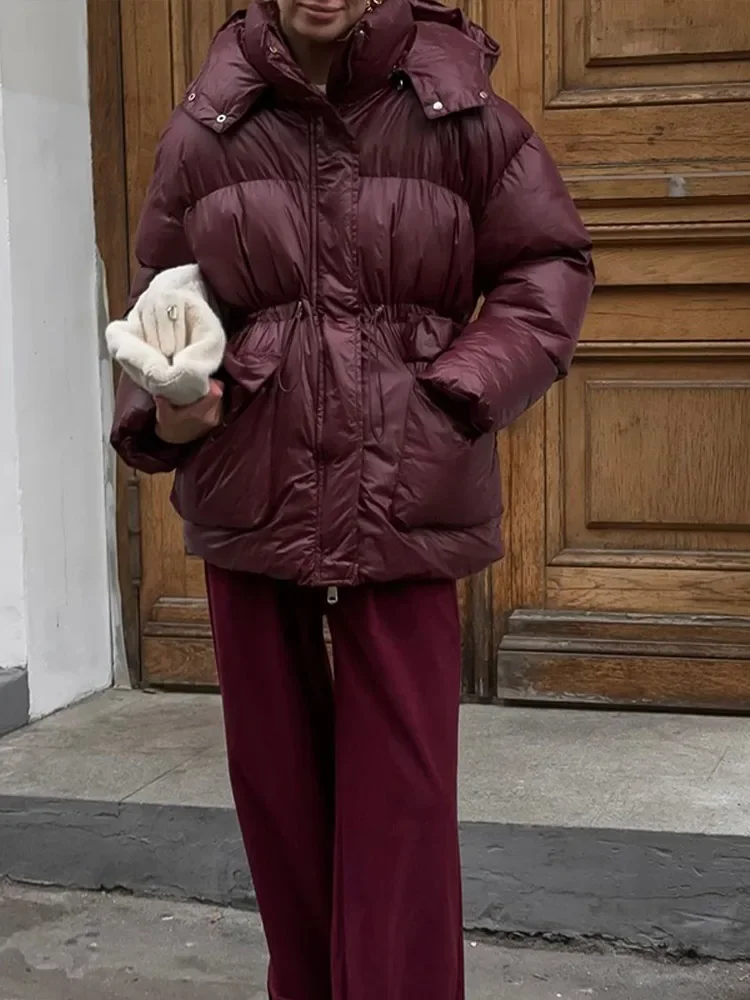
{"x":346,"y":788}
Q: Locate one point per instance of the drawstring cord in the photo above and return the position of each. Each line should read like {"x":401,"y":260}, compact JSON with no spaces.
{"x":372,"y":338}
{"x":302,"y":306}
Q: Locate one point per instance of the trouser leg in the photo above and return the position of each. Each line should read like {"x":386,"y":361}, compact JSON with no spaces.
{"x":278,"y":709}
{"x":397,"y":924}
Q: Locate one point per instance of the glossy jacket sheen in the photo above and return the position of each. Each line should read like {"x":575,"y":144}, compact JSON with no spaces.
{"x":347,"y":240}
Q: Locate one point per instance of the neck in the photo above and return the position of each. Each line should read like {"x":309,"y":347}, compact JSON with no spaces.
{"x":314,"y":59}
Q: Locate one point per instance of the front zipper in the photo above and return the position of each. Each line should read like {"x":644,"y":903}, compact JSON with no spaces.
{"x":320,"y":394}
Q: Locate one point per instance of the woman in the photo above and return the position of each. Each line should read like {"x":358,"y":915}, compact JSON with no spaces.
{"x":350,"y":187}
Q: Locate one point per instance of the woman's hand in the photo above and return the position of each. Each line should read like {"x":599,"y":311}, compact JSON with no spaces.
{"x":185,"y":424}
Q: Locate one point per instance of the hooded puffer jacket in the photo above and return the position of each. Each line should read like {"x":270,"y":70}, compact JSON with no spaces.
{"x":347,"y":238}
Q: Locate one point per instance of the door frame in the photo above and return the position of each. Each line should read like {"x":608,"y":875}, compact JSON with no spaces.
{"x":107,"y":111}
{"x":483,"y":598}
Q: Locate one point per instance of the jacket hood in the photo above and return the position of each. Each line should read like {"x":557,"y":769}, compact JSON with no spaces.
{"x":446,"y":58}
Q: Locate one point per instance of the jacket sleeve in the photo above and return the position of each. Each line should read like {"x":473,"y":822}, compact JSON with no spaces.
{"x":534,"y":269}
{"x":160,"y":244}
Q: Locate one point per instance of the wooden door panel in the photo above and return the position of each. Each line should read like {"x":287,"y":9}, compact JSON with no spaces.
{"x":648,"y":464}
{"x":621,"y":314}
{"x":696,"y":253}
{"x":623,"y":52}
{"x":659,"y":459}
{"x":626,"y":525}
{"x":647,"y":512}
{"x":164,"y":43}
{"x":660,"y":32}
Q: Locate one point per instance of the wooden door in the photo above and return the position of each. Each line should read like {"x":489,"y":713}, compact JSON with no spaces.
{"x":630,"y":582}
{"x":143,"y":55}
{"x":626,"y":492}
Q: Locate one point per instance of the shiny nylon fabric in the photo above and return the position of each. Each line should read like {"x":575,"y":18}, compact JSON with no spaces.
{"x":346,"y":239}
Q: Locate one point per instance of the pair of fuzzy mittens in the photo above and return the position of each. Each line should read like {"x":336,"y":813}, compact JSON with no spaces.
{"x":172,"y":341}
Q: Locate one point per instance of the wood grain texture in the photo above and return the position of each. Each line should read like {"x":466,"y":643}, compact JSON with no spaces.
{"x":625,"y":490}
{"x":664,"y":33}
{"x":164,"y":44}
{"x":528,"y":542}
{"x":699,"y":477}
{"x":619,"y":52}
{"x":663,"y":255}
{"x":649,"y":465}
{"x":638,"y":315}
{"x":701,"y":634}
{"x":179,"y":661}
{"x":680,"y":661}
{"x":110,"y":204}
{"x":194,"y":24}
{"x":479,"y":643}
{"x":668,"y":682}
{"x":668,"y":591}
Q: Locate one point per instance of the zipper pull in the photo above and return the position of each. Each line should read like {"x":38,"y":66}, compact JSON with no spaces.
{"x":332,"y":596}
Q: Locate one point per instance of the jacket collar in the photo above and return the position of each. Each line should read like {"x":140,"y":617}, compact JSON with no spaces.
{"x":228,"y":85}
{"x":450,"y":60}
{"x":446,"y":59}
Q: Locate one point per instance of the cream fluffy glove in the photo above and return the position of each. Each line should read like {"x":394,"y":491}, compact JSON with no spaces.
{"x":172,"y":341}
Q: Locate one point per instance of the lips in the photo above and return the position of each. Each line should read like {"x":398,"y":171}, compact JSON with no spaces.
{"x":322,"y":9}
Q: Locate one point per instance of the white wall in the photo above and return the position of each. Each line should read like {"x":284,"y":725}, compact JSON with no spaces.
{"x":50,"y":263}
{"x":12,"y":597}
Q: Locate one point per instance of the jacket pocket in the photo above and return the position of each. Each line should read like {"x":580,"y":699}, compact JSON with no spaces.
{"x":227,"y":482}
{"x":231,"y":480}
{"x":444,"y":479}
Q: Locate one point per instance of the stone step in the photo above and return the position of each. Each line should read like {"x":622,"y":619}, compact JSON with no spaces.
{"x":630,"y":827}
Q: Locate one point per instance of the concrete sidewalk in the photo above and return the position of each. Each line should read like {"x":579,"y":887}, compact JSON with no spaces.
{"x":75,"y":946}
{"x":608,"y":825}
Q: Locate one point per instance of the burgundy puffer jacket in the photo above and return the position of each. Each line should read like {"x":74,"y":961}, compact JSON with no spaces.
{"x":347,"y":240}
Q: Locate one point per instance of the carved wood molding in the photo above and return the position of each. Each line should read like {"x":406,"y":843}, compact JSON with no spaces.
{"x":671,"y":233}
{"x":683,"y":253}
{"x":635,"y":55}
{"x":627,"y":559}
{"x":695,"y":636}
{"x":678,"y":183}
{"x":645,"y":96}
{"x":681,"y":661}
{"x":179,"y":616}
{"x":665,"y":350}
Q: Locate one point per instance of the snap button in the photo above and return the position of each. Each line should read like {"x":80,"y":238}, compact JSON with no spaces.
{"x":437,"y":106}
{"x":192,"y":97}
{"x":483,"y":94}
{"x":221,"y":119}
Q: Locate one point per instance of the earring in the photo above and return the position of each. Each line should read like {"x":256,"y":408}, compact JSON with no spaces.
{"x":372,"y":5}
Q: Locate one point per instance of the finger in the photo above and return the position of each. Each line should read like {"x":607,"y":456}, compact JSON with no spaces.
{"x":165,"y":327}
{"x":207,"y":408}
{"x":164,"y":409}
{"x":174,"y":323}
{"x":213,"y":398}
{"x":148,"y":325}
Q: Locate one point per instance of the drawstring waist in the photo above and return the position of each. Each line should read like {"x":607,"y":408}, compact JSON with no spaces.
{"x":304,"y":306}
{"x":371,"y":335}
{"x":373,"y":348}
